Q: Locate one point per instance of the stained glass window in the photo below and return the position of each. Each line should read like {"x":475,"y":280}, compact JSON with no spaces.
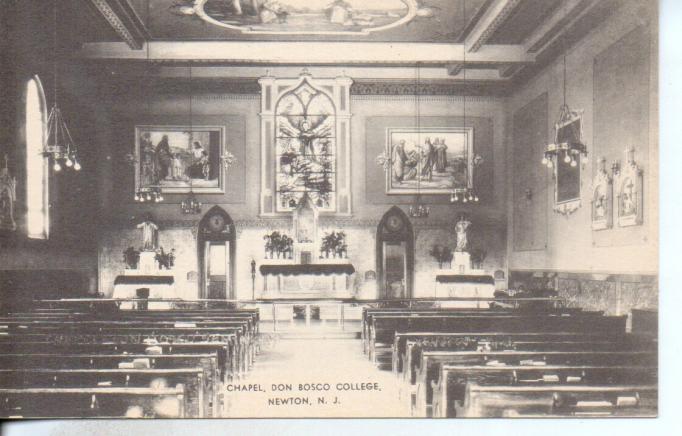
{"x":305,"y":147}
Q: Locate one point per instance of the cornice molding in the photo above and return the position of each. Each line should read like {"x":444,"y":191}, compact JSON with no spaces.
{"x":123,"y":20}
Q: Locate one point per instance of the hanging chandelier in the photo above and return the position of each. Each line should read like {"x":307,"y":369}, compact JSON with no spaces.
{"x":149,"y":195}
{"x":568,"y":145}
{"x":418,"y":209}
{"x":59,"y":146}
{"x":466,"y":195}
{"x":191,"y":205}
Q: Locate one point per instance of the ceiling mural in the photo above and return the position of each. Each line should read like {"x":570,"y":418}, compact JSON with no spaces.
{"x":309,"y":17}
{"x":343,"y":20}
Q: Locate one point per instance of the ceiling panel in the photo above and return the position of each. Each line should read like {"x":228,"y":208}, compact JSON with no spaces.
{"x":295,"y":20}
{"x":527,"y":16}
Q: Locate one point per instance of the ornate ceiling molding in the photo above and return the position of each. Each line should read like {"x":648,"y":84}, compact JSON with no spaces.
{"x":489,"y":24}
{"x":123,"y":19}
{"x":397,"y":88}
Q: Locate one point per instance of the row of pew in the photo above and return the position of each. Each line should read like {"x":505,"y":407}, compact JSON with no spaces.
{"x":552,"y":362}
{"x":79,"y":361}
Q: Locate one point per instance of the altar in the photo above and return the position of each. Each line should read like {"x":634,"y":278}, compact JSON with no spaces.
{"x":307,"y":280}
{"x":460,"y":280}
{"x":144,"y":276}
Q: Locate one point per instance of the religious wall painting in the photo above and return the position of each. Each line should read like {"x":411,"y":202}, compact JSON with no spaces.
{"x":629,"y":185}
{"x":429,"y":160}
{"x":305,"y":147}
{"x":602,"y":198}
{"x":568,"y":167}
{"x":178,"y":159}
{"x":304,"y":17}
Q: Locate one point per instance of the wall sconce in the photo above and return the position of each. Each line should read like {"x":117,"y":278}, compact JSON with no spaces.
{"x":528,"y":194}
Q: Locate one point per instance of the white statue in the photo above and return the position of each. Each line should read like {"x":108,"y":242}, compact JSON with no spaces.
{"x":8,"y":195}
{"x":461,"y":231}
{"x":150,"y":238}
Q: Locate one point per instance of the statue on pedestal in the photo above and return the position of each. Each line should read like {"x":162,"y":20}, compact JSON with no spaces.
{"x":8,"y":195}
{"x":150,"y":231}
{"x":461,"y":231}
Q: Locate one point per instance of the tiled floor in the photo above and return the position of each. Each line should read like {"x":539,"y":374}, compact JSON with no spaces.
{"x":348,"y":381}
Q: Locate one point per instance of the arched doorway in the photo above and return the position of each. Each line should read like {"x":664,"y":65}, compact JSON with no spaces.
{"x":216,"y":254}
{"x":395,"y":255}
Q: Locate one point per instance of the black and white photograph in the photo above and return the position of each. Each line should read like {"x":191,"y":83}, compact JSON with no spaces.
{"x":417,"y":209}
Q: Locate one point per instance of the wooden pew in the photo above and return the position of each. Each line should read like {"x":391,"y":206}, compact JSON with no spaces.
{"x":450,"y":387}
{"x":369,"y":313}
{"x":383,"y":328}
{"x":403,"y":342}
{"x":238,"y":353}
{"x":100,"y":402}
{"x":432,"y":360}
{"x":197,"y":391}
{"x":224,"y":363}
{"x":559,"y":401}
{"x":246,"y":340}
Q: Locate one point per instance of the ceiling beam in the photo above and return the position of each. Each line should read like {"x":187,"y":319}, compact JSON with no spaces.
{"x":558,"y":22}
{"x":454,"y":69}
{"x":308,"y":53}
{"x":491,"y":20}
{"x":122,"y":18}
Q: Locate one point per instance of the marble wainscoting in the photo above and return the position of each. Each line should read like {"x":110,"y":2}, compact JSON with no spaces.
{"x":615,"y":294}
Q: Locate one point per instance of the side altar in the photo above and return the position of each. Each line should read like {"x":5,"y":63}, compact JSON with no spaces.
{"x":148,"y":270}
{"x":460,"y":280}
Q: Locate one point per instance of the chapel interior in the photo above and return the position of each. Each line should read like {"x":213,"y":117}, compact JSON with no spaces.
{"x":203,"y":199}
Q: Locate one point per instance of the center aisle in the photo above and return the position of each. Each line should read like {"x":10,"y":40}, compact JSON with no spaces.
{"x":346,"y":383}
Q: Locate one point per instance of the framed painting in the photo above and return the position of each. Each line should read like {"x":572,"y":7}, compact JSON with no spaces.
{"x":179,"y":158}
{"x":630,"y":185}
{"x":568,"y":168}
{"x":602,"y":198}
{"x":434,"y":160}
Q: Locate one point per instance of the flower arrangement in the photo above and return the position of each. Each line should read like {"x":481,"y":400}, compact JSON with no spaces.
{"x":334,"y":243}
{"x":131,"y":257}
{"x":165,"y":260}
{"x":442,"y":254}
{"x":278,"y":244}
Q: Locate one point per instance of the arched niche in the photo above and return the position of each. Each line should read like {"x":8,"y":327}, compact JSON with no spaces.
{"x":395,"y":255}
{"x":216,"y":250}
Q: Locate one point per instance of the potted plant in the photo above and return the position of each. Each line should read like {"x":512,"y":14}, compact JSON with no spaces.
{"x":163,"y":259}
{"x":442,"y":254}
{"x":271,"y":241}
{"x":131,"y":257}
{"x":334,"y":243}
{"x":286,"y":246}
{"x":278,"y":244}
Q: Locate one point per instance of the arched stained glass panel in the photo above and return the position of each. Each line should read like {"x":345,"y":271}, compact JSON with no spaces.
{"x":305,"y":147}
